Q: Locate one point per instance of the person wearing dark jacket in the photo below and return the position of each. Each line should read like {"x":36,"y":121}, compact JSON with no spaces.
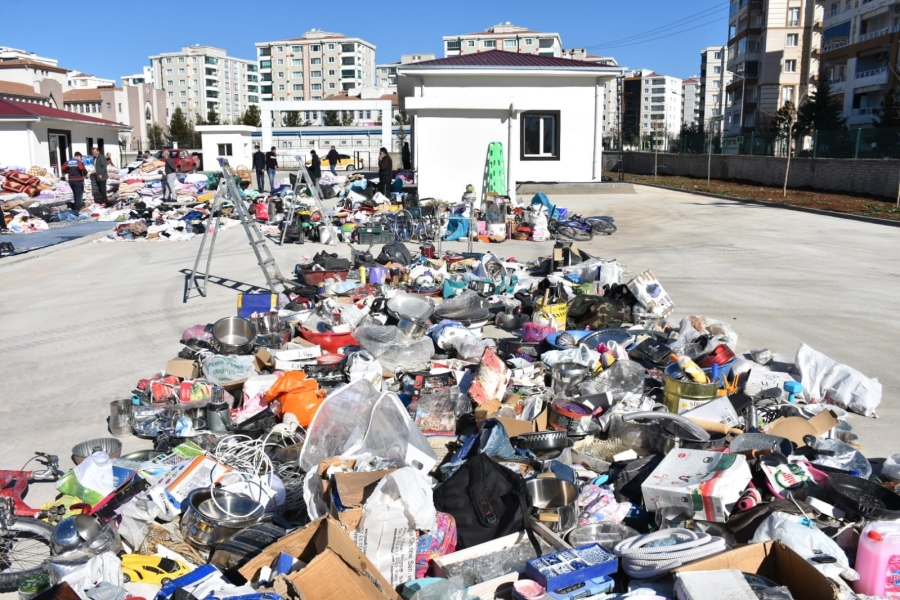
{"x":98,"y":182}
{"x":315,"y":167}
{"x":170,"y":171}
{"x":333,"y":158}
{"x":405,"y":157}
{"x":271,"y":167}
{"x":385,"y":167}
{"x":259,"y":165}
{"x":74,"y":171}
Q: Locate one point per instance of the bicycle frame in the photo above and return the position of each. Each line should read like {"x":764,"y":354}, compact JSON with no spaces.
{"x":13,"y":485}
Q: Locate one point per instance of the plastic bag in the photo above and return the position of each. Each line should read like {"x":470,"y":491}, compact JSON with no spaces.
{"x":394,"y":349}
{"x":581,"y":355}
{"x":844,"y":457}
{"x":298,"y":395}
{"x":437,"y":413}
{"x":535,"y":332}
{"x":806,"y":540}
{"x":446,"y":589}
{"x":623,"y":377}
{"x":227,"y":369}
{"x":96,"y":473}
{"x":891,"y":467}
{"x":826,"y":380}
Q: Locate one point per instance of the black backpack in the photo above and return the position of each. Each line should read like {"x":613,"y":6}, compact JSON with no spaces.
{"x":394,"y":252}
{"x":487,"y":500}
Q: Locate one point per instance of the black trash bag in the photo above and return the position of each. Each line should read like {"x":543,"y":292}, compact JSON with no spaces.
{"x":629,"y":476}
{"x":394,"y":252}
{"x":487,"y":501}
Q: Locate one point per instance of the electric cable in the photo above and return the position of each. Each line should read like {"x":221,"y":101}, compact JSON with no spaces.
{"x":677,"y":23}
{"x":655,"y":37}
{"x":657,"y":553}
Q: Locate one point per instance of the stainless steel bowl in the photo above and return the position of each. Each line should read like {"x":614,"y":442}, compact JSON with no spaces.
{"x":411,"y":306}
{"x":412,"y":328}
{"x":555,"y":502}
{"x":207,"y":521}
{"x":605,"y":534}
{"x":234,"y":335}
{"x":567,"y":375}
{"x":111,"y":446}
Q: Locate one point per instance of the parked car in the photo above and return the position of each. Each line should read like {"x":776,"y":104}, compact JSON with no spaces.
{"x":184,"y":160}
{"x":345,"y":163}
{"x":151,"y":569}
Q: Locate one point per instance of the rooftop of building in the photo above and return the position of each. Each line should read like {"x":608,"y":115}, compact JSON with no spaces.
{"x":10,"y":109}
{"x":501,"y":58}
{"x":25,"y":62}
{"x":20,"y":89}
{"x":502,"y":29}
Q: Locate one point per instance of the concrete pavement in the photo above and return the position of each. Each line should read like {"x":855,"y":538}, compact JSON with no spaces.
{"x":81,"y":325}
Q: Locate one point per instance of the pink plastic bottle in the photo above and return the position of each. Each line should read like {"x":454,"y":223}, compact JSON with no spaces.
{"x":878,"y":560}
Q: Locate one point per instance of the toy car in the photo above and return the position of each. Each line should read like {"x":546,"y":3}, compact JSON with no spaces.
{"x":151,"y":569}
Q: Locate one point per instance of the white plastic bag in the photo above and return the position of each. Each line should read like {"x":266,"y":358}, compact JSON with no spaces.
{"x":826,"y":380}
{"x":891,"y":467}
{"x":96,"y":473}
{"x":226,"y":369}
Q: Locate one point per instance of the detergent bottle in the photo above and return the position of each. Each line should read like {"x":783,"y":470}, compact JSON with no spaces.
{"x":691,"y":368}
{"x":878,"y":560}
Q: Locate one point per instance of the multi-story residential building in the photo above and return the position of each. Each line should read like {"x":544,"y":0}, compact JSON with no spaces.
{"x":859,"y":45}
{"x":46,"y":79}
{"x":504,"y":36}
{"x":202,"y":78}
{"x":387,"y":73}
{"x":714,"y":78}
{"x":660,"y":110}
{"x":769,"y":54}
{"x":22,"y":92}
{"x":139,"y":106}
{"x":138,"y":79}
{"x":7,"y":53}
{"x":314,"y":66}
{"x":690,"y":101}
{"x":84,"y":81}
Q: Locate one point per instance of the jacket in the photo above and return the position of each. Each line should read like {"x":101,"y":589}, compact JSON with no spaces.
{"x":405,"y":155}
{"x":315,"y":167}
{"x":259,"y":160}
{"x":100,"y":166}
{"x":74,"y":170}
{"x":333,"y":157}
{"x":271,"y":160}
{"x":170,"y":166}
{"x":385,"y":164}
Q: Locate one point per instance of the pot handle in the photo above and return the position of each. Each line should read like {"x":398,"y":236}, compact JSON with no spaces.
{"x":698,"y":432}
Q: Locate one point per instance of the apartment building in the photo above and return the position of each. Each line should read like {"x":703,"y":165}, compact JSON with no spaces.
{"x":714,"y":78}
{"x":139,"y":78}
{"x":46,"y":79}
{"x":651,"y":109}
{"x":504,"y":36}
{"x":8,"y":53}
{"x":770,"y":56}
{"x":314,"y":66}
{"x":690,"y":101}
{"x":860,"y":41}
{"x":387,"y":73}
{"x":84,"y":81}
{"x":202,"y":78}
{"x":137,"y":106}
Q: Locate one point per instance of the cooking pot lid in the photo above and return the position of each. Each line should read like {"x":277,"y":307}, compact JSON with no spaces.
{"x":464,"y":314}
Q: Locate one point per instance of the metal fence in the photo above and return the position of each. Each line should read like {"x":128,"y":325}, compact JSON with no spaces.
{"x":877,"y":143}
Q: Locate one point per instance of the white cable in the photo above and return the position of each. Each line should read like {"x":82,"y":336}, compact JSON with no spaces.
{"x":640,"y":560}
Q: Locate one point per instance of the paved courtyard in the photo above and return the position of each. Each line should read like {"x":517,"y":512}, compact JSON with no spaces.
{"x":83,"y":322}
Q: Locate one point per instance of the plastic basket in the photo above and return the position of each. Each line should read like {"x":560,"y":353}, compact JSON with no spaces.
{"x":385,"y":237}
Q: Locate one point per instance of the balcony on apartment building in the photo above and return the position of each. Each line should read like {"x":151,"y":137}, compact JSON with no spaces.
{"x":866,"y":6}
{"x":876,"y":76}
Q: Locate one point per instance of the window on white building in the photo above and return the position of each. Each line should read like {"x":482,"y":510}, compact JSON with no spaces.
{"x":790,"y":66}
{"x":510,"y":43}
{"x":315,"y":48}
{"x":489,"y":43}
{"x":297,"y":62}
{"x":316,"y":74}
{"x":792,"y":41}
{"x":279,"y":48}
{"x":540,"y":135}
{"x":315,"y":61}
{"x":470,"y":43}
{"x":168,"y":71}
{"x":331,"y":59}
{"x":181,"y":59}
{"x":717,"y":55}
{"x":331,"y":86}
{"x":168,"y":61}
{"x":793,"y":17}
{"x":331,"y":46}
{"x":280,"y":74}
{"x":529,"y":41}
{"x":170,"y":83}
{"x":331,"y":72}
{"x":171,"y":94}
{"x":298,"y":87}
{"x":181,"y":82}
{"x":184,"y":105}
{"x":295,"y":48}
{"x":316,"y":87}
{"x":717,"y":70}
{"x":280,"y":87}
{"x":181,"y":71}
{"x":183,"y":93}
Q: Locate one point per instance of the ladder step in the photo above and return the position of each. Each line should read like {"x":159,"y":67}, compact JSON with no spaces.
{"x":260,"y":242}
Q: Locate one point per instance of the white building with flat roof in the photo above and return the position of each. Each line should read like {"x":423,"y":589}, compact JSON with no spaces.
{"x":714,"y":78}
{"x":504,"y":36}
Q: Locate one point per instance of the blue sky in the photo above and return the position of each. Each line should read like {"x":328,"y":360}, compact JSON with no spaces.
{"x":111,"y":39}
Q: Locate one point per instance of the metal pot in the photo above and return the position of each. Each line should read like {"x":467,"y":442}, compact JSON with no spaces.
{"x":413,"y":329}
{"x":605,"y":534}
{"x":555,"y":502}
{"x":209,"y":520}
{"x":234,"y":335}
{"x":411,"y":306}
{"x":566,"y":376}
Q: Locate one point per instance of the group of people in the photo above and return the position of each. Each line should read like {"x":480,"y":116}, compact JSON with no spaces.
{"x":75,"y":172}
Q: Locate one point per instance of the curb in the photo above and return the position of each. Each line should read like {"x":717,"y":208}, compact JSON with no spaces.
{"x":814,"y":211}
{"x":40,"y":252}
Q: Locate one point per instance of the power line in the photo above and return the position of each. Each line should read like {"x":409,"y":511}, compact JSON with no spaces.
{"x":683,"y":21}
{"x":716,"y":20}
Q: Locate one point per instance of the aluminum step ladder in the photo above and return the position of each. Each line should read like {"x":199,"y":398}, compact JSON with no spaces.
{"x":228,"y":191}
{"x":304,"y":178}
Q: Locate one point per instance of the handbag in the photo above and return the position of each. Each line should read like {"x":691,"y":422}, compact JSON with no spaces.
{"x":487,"y":500}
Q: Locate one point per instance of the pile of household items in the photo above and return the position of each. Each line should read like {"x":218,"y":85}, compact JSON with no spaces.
{"x":406,"y":427}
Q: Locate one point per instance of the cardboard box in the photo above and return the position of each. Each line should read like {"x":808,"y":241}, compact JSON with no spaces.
{"x":774,"y":561}
{"x":705,"y":484}
{"x":350,"y":492}
{"x":336,"y":569}
{"x":513,"y":427}
{"x":184,"y":368}
{"x":650,"y":294}
{"x":796,"y":428}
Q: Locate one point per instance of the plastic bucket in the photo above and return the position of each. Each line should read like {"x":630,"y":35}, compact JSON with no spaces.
{"x":377,"y":275}
{"x":682,"y":396}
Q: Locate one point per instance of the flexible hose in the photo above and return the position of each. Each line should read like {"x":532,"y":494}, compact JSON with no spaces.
{"x":640,"y":560}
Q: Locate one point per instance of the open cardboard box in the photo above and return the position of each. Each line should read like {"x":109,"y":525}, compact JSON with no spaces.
{"x":183,"y":367}
{"x":336,"y":568}
{"x":353,"y":489}
{"x":796,"y":428}
{"x":774,"y":561}
{"x":513,"y":427}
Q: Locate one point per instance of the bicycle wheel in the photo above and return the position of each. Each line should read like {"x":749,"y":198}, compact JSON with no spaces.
{"x":574,"y":233}
{"x":603,"y":226}
{"x":404,"y":224}
{"x":24,"y":545}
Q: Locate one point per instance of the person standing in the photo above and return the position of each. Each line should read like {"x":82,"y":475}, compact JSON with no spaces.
{"x":333,"y":158}
{"x":259,"y":165}
{"x":109,"y":160}
{"x":271,"y":167}
{"x":315,"y":168}
{"x":74,"y":171}
{"x":171,"y":177}
{"x":99,"y":180}
{"x":385,"y":167}
{"x":405,"y":157}
{"x":147,"y":157}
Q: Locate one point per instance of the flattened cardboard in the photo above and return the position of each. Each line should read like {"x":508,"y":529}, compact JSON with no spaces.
{"x":336,"y":570}
{"x":513,"y":427}
{"x":795,"y":428}
{"x":353,"y":489}
{"x":184,"y":368}
{"x":774,"y":561}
